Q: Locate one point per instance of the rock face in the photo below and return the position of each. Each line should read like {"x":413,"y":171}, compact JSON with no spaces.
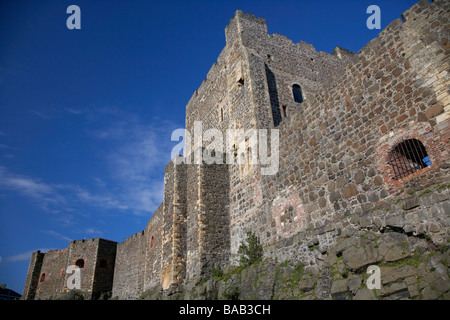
{"x":358,"y":173}
{"x":410,"y":268}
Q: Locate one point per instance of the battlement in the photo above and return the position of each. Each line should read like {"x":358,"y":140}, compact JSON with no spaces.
{"x":242,"y":22}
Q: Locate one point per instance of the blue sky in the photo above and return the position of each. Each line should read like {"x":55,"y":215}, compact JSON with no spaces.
{"x":86,"y":115}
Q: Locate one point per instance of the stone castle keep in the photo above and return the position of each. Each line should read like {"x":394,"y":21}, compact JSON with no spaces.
{"x":363,"y":177}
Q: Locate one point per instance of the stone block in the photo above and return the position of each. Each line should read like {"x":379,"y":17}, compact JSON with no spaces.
{"x":396,"y":220}
{"x":411,"y":203}
{"x":365,"y":294}
{"x":349,"y":190}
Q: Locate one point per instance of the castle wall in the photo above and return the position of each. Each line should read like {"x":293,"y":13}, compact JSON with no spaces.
{"x":32,"y":279}
{"x":51,"y":278}
{"x":47,"y":276}
{"x":85,"y":250}
{"x":334,"y":150}
{"x":129,"y":267}
{"x":173,"y":260}
{"x":104,"y":269}
{"x":208,"y":222}
{"x":153,"y":254}
{"x":272,"y":65}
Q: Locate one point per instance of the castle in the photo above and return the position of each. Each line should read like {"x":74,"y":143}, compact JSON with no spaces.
{"x":363,"y":157}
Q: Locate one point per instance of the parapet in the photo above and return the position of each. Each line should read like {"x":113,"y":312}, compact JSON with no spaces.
{"x":244,"y":22}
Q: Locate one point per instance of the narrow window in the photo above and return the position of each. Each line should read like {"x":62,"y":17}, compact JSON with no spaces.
{"x":283,"y":108}
{"x":42,"y":279}
{"x":408,"y":157}
{"x":152,"y":242}
{"x":297,"y":92}
{"x":80,"y":263}
{"x":221,"y":114}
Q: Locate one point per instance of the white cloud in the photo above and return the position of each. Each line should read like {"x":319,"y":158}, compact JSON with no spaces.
{"x":74,"y":111}
{"x":58,"y":235}
{"x":135,"y":155}
{"x":138,"y":164}
{"x":24,"y":256}
{"x":30,"y":187}
{"x":92,"y":231}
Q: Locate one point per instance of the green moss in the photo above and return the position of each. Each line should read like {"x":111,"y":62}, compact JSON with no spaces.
{"x":425,"y":192}
{"x":285,"y":263}
{"x":231,"y":293}
{"x":291,"y":281}
{"x":217,"y":273}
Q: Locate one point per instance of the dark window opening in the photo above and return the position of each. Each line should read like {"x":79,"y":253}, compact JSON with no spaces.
{"x":221,"y":114}
{"x":273,"y":95}
{"x":408,"y":157}
{"x":283,"y":108}
{"x":42,"y":279}
{"x":152,"y":242}
{"x":241,"y":81}
{"x":80,"y":263}
{"x":297,"y":92}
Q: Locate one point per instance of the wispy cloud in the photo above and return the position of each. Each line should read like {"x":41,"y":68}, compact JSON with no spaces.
{"x":133,"y":154}
{"x":138,"y":160}
{"x":25,"y":256}
{"x":58,"y":235}
{"x":74,"y":111}
{"x":42,"y":113}
{"x":92,"y":231}
{"x":45,"y":194}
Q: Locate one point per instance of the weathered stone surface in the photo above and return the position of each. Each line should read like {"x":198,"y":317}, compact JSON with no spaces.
{"x":358,"y":257}
{"x":396,"y":220}
{"x":349,"y":190}
{"x":411,"y":203}
{"x":393,"y":274}
{"x":364,"y":294}
{"x":339,"y":286}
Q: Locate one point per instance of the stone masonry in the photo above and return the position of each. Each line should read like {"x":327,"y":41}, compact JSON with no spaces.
{"x":363,"y":177}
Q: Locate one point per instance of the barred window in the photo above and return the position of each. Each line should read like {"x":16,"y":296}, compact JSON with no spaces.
{"x":408,"y":157}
